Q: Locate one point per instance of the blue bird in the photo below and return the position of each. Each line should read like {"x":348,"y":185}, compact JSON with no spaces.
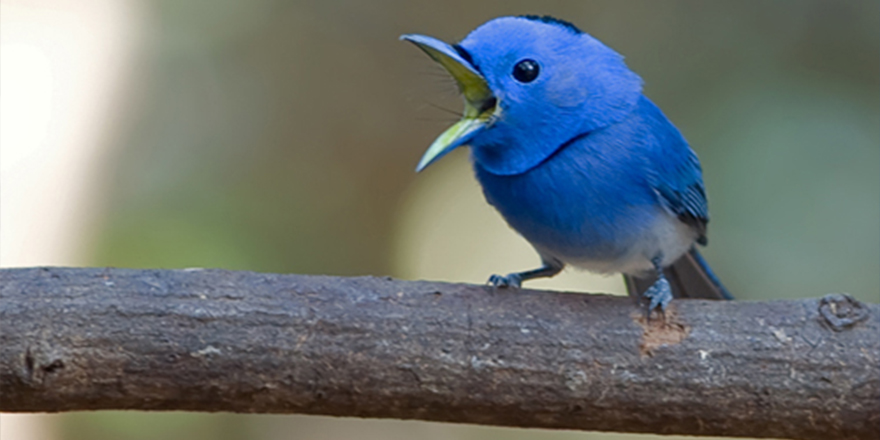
{"x":575,"y":158}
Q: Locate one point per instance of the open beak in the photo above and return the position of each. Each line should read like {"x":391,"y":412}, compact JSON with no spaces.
{"x":479,"y":102}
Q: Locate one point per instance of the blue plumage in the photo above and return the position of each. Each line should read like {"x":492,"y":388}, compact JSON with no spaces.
{"x":575,"y":158}
{"x":594,"y":198}
{"x":582,"y":86}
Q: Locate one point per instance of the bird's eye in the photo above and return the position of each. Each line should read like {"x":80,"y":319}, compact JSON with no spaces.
{"x":526,"y":71}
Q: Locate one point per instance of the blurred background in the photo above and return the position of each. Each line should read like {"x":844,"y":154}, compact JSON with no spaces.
{"x":281,"y":136}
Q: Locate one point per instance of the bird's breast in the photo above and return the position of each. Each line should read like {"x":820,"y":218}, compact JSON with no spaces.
{"x":590,"y":210}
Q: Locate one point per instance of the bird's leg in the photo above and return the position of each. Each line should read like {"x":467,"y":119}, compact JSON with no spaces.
{"x":550,"y":267}
{"x":660,"y":293}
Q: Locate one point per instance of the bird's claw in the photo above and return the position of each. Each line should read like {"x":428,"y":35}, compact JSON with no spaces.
{"x":509,"y":280}
{"x":660,"y":294}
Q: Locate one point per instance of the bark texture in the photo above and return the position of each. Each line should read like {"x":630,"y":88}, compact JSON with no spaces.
{"x":214,"y":340}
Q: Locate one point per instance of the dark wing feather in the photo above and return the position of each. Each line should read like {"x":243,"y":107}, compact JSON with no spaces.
{"x":680,"y":189}
{"x":674,"y":172}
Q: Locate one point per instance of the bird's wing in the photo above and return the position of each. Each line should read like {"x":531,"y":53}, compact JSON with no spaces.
{"x":674,"y":173}
{"x":680,"y":189}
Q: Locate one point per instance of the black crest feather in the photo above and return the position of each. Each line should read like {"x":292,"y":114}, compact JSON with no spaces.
{"x":553,"y":20}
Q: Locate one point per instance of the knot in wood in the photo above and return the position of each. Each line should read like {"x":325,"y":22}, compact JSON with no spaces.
{"x":841,"y":311}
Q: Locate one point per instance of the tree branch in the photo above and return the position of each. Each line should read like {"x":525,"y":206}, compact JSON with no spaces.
{"x":213,"y":340}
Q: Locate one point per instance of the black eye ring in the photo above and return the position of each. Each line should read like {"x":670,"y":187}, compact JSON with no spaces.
{"x":526,"y":70}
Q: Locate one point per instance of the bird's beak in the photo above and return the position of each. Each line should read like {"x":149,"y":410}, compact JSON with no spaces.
{"x":479,"y":102}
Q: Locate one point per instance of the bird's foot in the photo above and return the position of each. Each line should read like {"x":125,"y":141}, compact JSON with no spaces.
{"x":660,"y":294}
{"x":509,"y":280}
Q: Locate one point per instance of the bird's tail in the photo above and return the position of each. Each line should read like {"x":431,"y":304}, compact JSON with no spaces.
{"x":689,"y":277}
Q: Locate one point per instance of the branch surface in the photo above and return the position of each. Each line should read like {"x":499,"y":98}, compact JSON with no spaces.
{"x":214,"y":340}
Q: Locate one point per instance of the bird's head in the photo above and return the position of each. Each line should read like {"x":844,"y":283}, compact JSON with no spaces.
{"x":530,"y":85}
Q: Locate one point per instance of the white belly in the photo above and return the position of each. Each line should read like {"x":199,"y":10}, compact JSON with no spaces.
{"x":668,"y":237}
